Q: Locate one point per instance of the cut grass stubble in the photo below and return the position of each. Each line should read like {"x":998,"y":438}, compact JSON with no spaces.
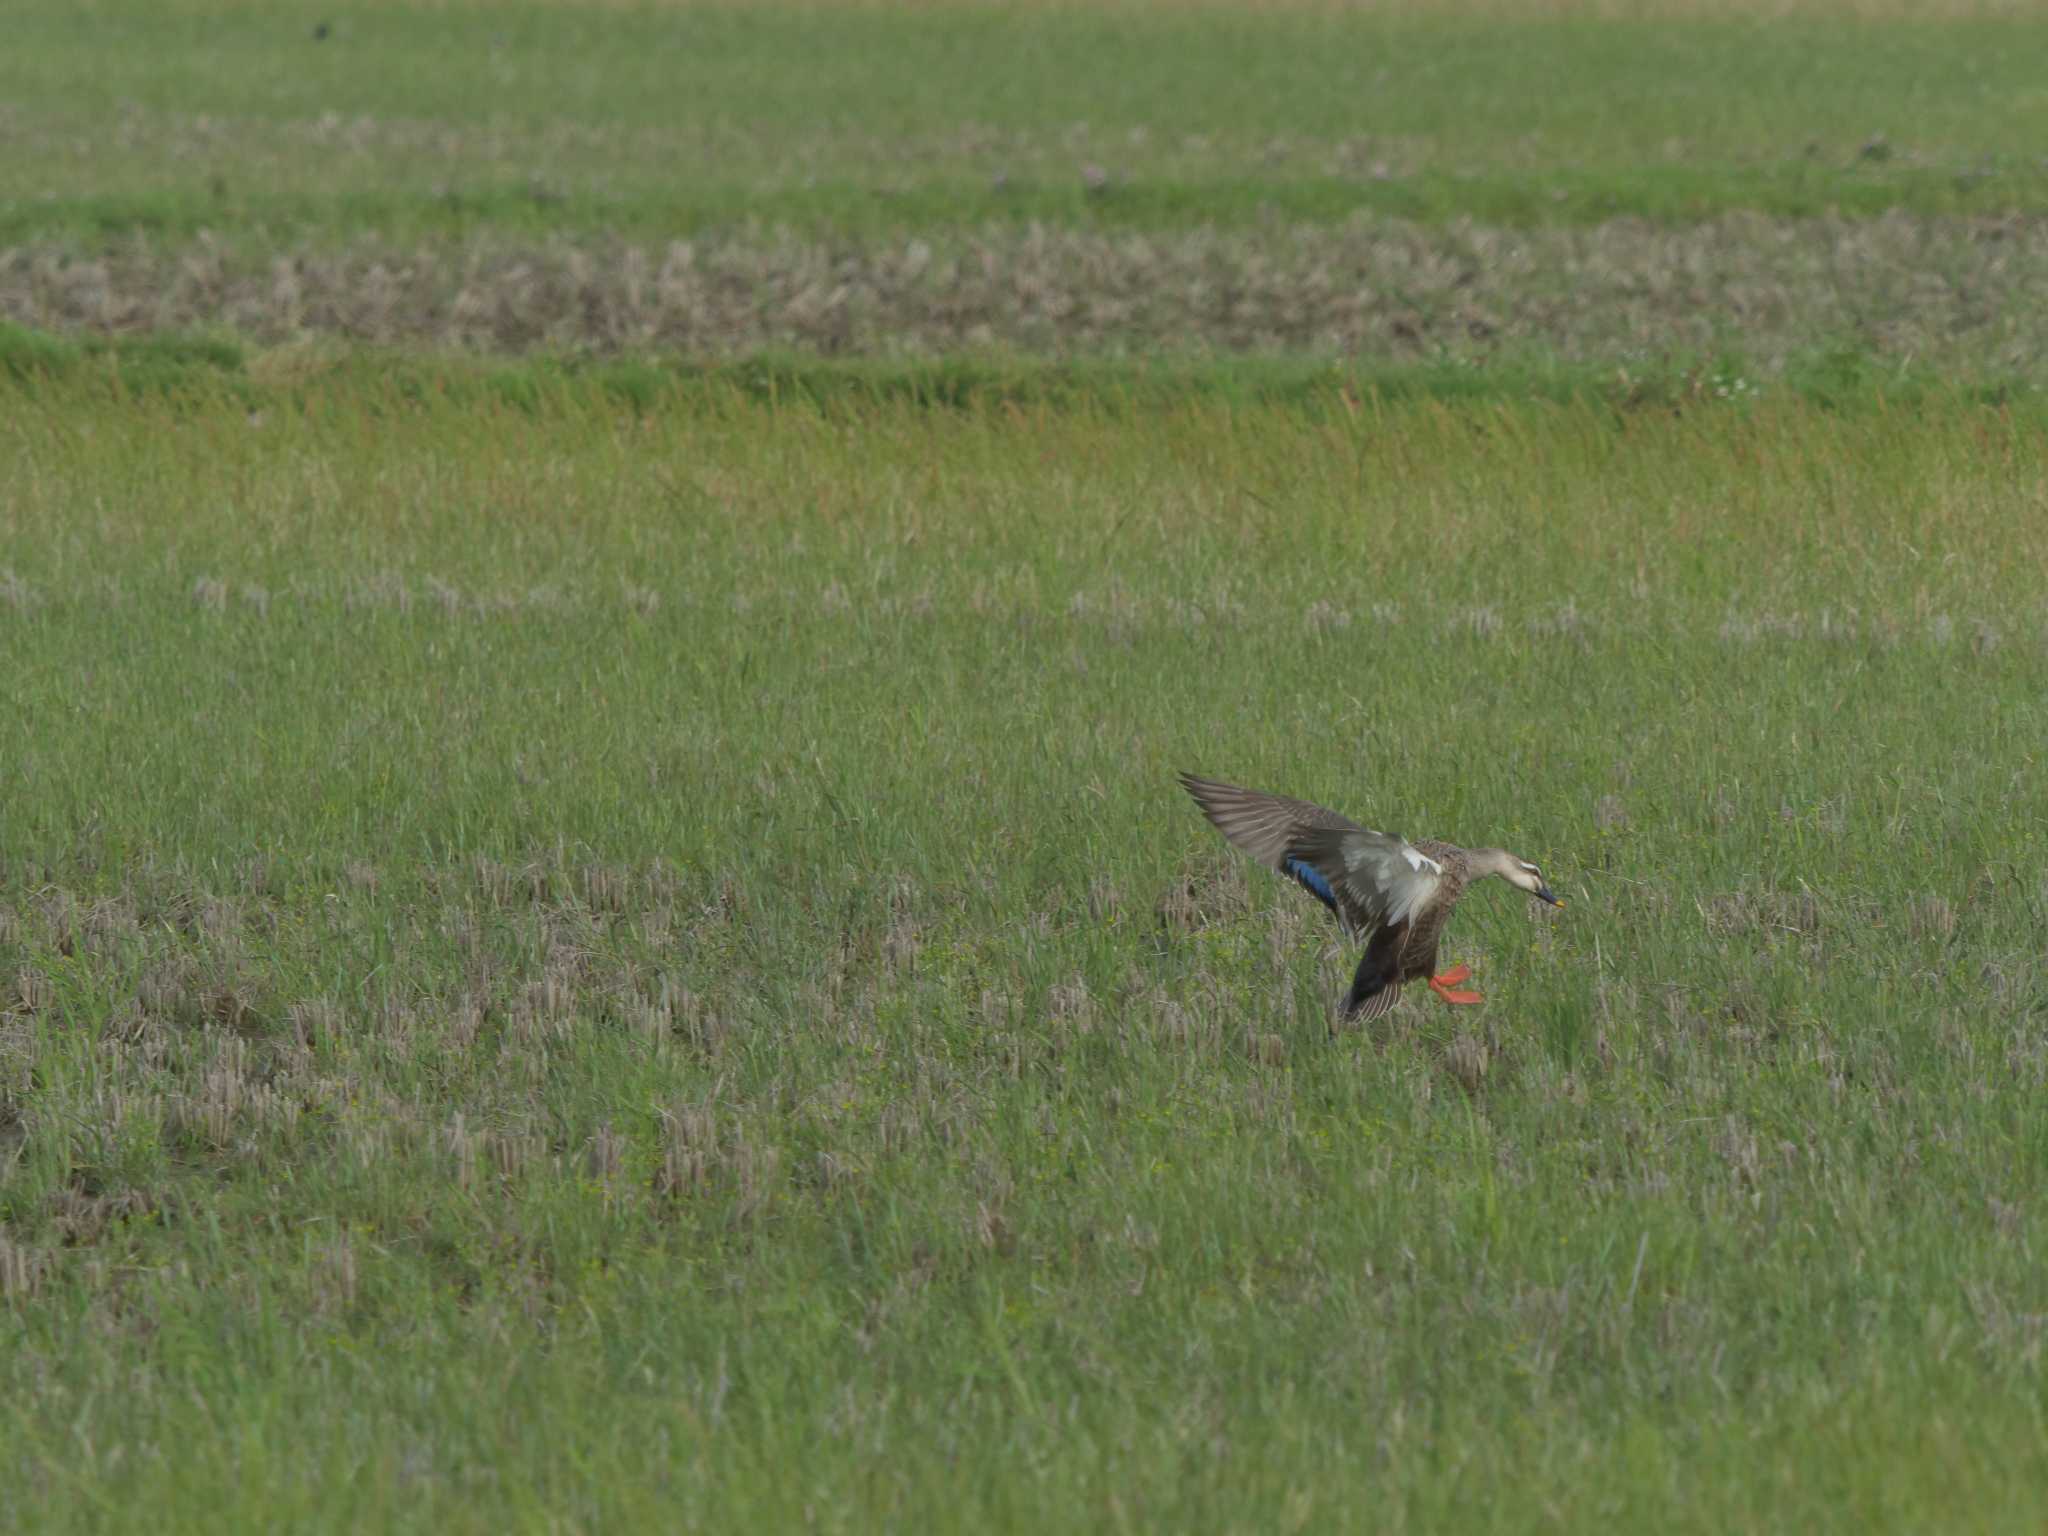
{"x":1965,"y":297}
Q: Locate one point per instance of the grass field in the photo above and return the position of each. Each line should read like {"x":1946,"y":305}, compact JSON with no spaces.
{"x":667,"y":120}
{"x":652,"y":968}
{"x":596,"y":930}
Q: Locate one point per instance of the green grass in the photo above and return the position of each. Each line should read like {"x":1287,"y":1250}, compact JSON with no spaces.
{"x":568,"y":966}
{"x":419,"y":122}
{"x":596,"y":932}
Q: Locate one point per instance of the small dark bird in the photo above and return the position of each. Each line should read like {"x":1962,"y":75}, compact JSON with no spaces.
{"x":1393,"y":895}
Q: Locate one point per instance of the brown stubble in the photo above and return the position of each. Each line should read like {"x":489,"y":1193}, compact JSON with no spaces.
{"x":1930,"y":287}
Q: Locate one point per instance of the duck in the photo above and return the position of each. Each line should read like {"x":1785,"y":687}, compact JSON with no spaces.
{"x":1392,"y":895}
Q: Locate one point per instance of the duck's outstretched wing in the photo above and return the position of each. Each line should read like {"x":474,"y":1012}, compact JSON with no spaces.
{"x":1370,"y":880}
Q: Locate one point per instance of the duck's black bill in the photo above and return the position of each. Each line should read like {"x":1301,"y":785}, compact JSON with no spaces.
{"x":1545,"y":893}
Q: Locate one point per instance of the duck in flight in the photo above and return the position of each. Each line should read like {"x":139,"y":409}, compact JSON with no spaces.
{"x":1392,"y":894}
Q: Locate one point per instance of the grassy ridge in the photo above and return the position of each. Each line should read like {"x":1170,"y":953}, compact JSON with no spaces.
{"x":646,"y":967}
{"x":1802,"y":186}
{"x":658,"y":122}
{"x":207,"y":371}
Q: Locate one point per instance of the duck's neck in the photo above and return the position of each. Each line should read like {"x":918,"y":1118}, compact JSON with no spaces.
{"x":1489,"y":861}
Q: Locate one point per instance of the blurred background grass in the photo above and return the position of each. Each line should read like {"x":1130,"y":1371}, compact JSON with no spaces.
{"x":1626,"y":191}
{"x":268,"y":123}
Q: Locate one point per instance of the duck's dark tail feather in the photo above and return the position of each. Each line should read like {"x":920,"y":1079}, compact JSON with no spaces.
{"x":1377,"y":986}
{"x":1371,"y":996}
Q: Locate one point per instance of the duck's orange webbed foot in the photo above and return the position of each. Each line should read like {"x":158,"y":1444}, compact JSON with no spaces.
{"x":1444,"y":986}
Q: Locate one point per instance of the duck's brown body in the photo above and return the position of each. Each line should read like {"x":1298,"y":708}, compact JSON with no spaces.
{"x":1397,"y":954}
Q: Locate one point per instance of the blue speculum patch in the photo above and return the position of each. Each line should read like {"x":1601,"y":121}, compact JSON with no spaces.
{"x":1311,"y":882}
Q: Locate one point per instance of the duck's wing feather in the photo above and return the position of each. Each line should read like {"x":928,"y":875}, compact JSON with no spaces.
{"x":1370,"y":880}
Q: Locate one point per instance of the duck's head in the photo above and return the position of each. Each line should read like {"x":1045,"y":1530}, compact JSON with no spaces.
{"x":1525,"y":876}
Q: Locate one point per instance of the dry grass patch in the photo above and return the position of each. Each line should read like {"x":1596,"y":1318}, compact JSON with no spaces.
{"x":1965,"y":291}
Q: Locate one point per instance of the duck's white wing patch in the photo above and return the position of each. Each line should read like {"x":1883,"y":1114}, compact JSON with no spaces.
{"x":1388,"y":876}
